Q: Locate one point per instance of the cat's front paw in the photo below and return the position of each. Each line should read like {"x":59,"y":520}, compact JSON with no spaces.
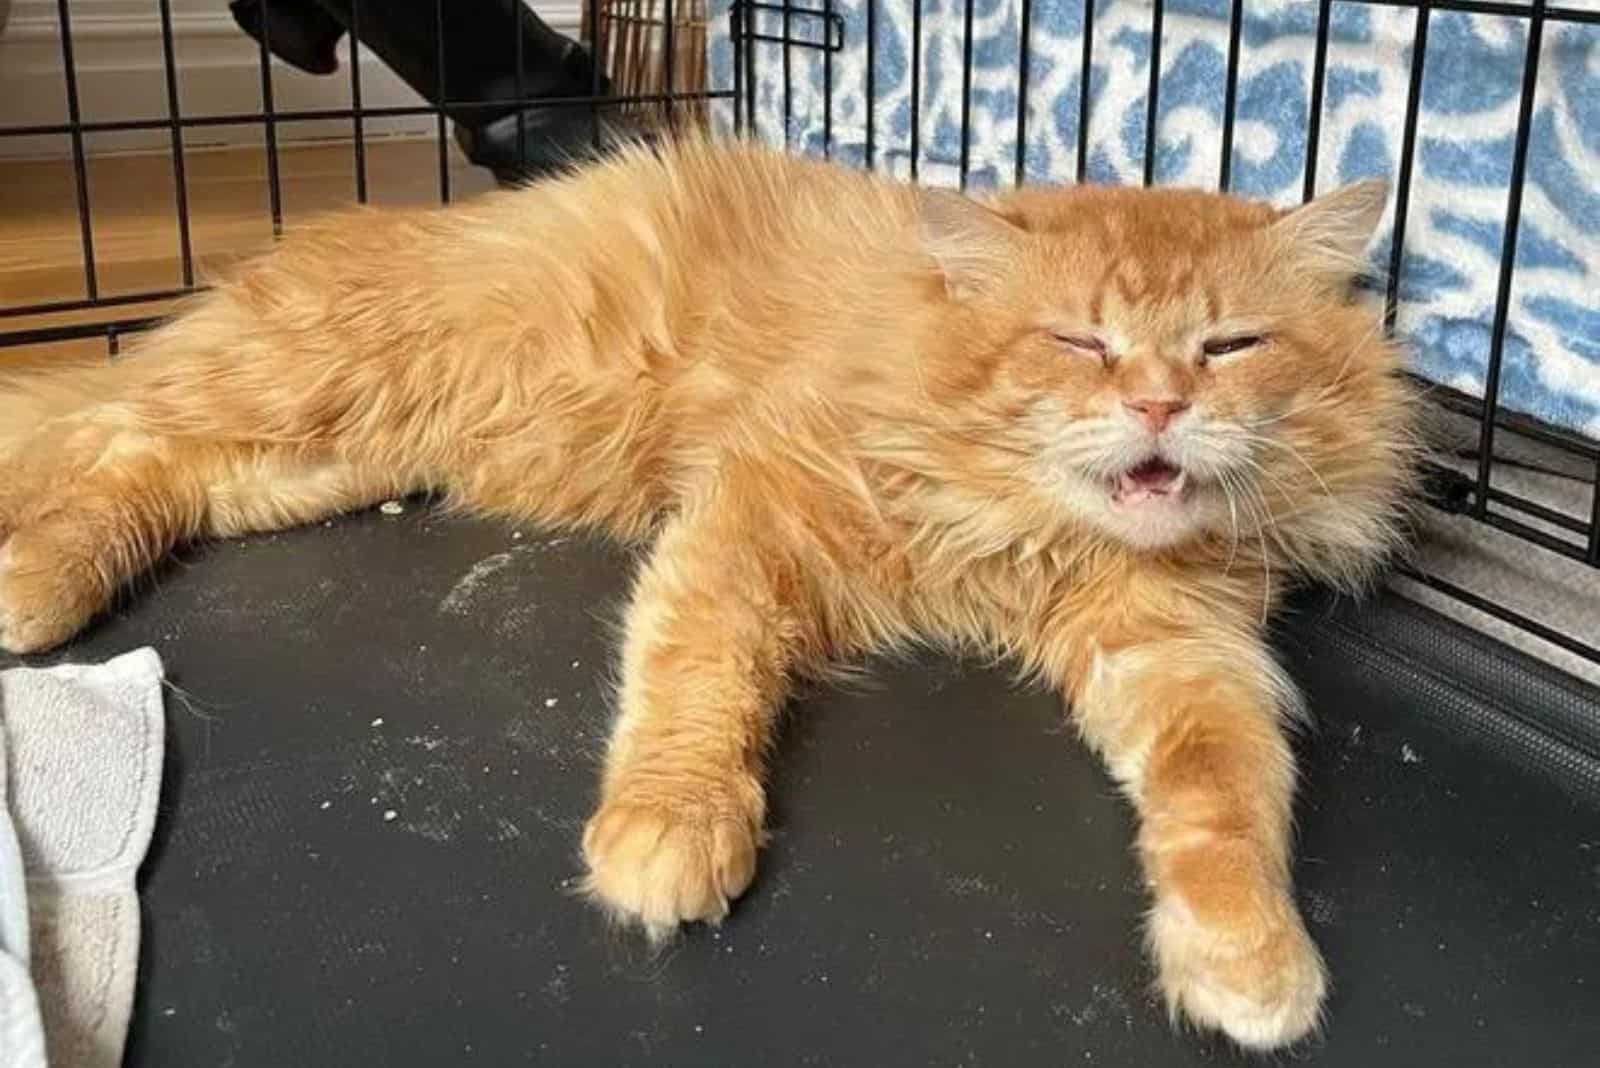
{"x":661,"y":864}
{"x":1260,"y":985}
{"x":45,"y":595}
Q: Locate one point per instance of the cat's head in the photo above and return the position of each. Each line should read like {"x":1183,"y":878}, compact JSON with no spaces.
{"x":1171,"y":365}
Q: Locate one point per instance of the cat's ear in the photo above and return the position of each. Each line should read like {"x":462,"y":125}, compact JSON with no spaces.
{"x":1330,"y":235}
{"x":973,"y":245}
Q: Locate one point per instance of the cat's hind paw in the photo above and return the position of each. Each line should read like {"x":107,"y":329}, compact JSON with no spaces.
{"x":1264,"y":994}
{"x":660,"y":866}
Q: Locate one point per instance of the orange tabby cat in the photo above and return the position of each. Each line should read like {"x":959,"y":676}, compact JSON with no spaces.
{"x":1090,"y":429}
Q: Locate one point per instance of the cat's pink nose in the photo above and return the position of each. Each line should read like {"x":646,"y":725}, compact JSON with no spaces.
{"x":1155,"y":414}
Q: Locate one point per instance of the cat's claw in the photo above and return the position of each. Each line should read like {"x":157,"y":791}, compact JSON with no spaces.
{"x":1263,"y":998}
{"x":660,"y":866}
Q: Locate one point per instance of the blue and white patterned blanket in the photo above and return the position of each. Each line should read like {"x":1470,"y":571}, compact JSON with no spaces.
{"x":1470,"y":95}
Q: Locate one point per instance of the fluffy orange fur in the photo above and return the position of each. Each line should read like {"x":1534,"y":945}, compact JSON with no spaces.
{"x":1093,"y":430}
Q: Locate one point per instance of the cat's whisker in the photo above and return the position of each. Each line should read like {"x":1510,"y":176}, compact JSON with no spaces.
{"x":1087,"y":445}
{"x":1261,"y":470}
{"x":1251,"y":438}
{"x":1300,"y":458}
{"x":1266,"y":562}
{"x":1233,"y":520}
{"x":1086,"y":442}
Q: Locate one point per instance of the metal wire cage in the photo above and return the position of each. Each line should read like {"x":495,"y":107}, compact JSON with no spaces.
{"x":654,"y":70}
{"x":632,"y":42}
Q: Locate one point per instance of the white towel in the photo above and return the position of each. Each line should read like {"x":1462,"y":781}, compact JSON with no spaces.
{"x":82,"y":753}
{"x":21,"y":1036}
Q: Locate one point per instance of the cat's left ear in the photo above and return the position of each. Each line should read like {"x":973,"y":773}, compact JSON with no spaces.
{"x":1329,"y":236}
{"x":973,"y":245}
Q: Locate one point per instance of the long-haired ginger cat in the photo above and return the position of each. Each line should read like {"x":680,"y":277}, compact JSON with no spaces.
{"x":1092,"y":430}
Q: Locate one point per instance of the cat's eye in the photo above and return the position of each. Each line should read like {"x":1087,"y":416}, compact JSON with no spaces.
{"x":1083,"y":343}
{"x":1223,"y":346}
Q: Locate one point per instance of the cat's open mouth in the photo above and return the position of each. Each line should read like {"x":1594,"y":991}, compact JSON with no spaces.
{"x":1154,"y":480}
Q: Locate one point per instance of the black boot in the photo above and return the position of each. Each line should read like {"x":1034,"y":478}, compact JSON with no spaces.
{"x":548,"y":141}
{"x":479,"y":79}
{"x":299,"y":32}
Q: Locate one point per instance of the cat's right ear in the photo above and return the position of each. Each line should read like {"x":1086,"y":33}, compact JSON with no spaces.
{"x":972,"y":245}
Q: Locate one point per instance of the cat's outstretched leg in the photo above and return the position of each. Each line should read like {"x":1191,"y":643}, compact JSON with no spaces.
{"x":93,"y":501}
{"x":715,"y":627}
{"x":1192,"y":727}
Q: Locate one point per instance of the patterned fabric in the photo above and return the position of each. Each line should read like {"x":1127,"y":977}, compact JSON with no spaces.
{"x":1469,"y":102}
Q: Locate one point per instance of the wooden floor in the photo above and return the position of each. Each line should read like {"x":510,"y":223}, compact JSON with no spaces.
{"x":135,"y":233}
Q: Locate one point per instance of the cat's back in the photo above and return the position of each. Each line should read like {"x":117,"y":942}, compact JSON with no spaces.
{"x":724,"y":259}
{"x":701,"y":205}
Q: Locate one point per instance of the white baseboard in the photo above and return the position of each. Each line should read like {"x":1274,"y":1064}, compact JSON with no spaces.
{"x":120,"y":75}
